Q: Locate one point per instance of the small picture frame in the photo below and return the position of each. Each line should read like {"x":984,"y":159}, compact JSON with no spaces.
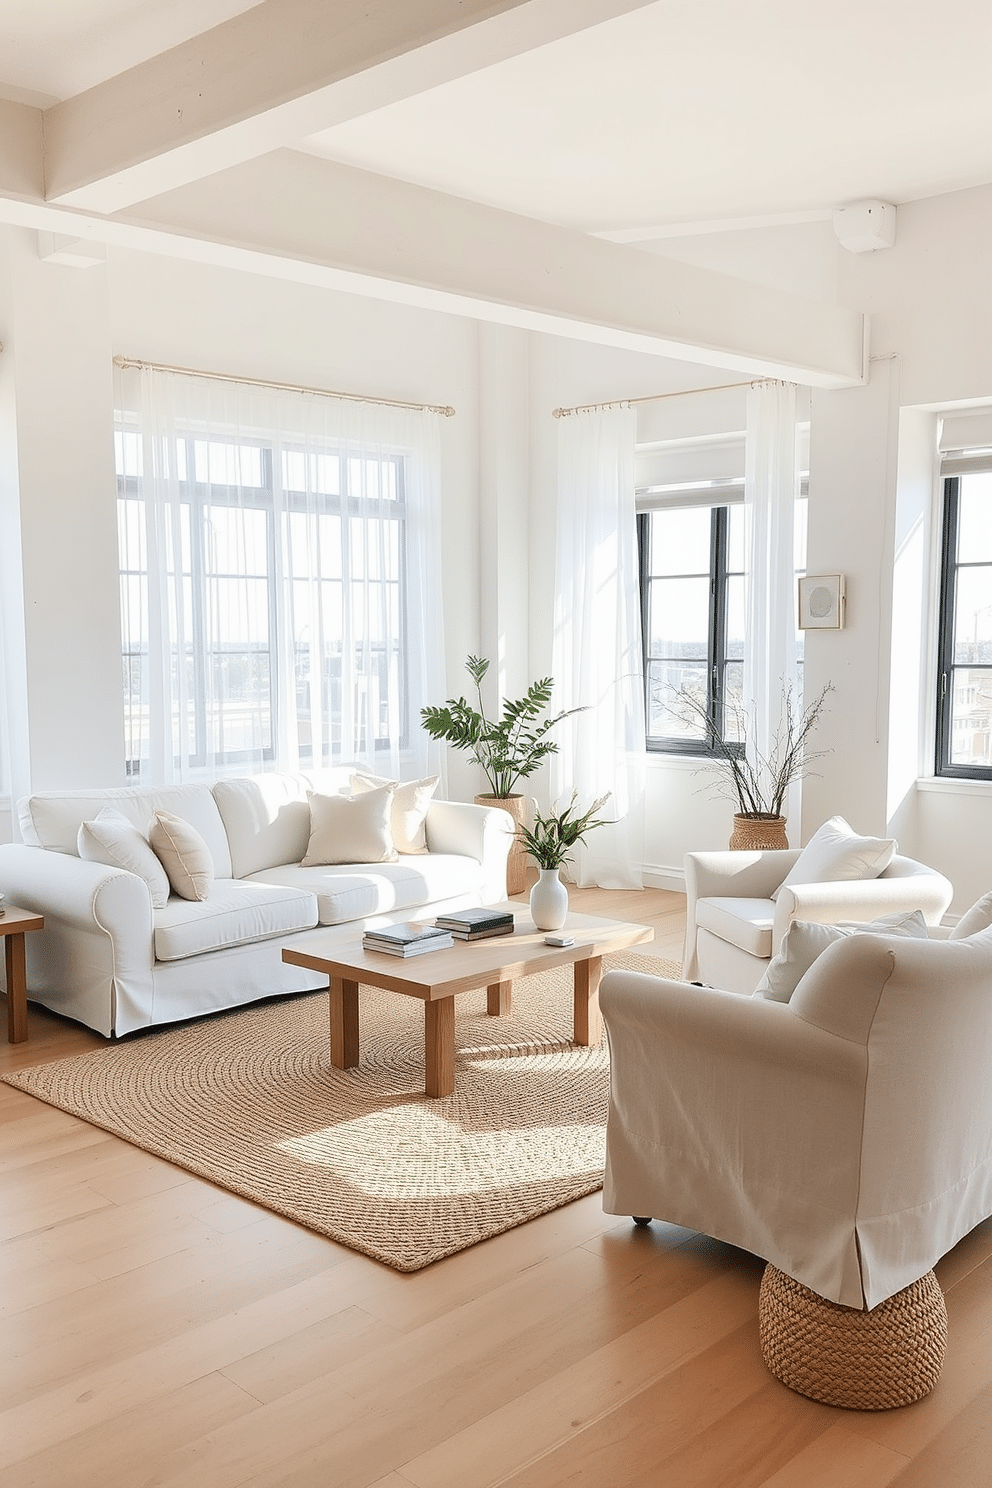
{"x":821,"y":602}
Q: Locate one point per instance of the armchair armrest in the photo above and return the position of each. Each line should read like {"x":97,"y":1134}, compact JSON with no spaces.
{"x":860,"y":900}
{"x":745,"y":875}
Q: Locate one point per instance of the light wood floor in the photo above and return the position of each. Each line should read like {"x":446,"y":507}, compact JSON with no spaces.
{"x":156,"y":1330}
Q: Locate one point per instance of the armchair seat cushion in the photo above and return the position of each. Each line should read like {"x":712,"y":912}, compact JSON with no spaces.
{"x":745,"y":923}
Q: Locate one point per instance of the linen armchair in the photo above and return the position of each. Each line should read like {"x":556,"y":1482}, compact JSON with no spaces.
{"x":734,"y":926}
{"x":845,"y":1135}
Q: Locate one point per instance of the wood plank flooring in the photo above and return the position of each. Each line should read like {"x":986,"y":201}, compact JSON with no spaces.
{"x":155,"y":1330}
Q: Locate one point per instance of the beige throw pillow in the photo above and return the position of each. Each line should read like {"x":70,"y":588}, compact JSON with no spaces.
{"x":111,"y":838}
{"x":351,"y":829}
{"x":408,"y":814}
{"x":974,"y":920}
{"x":836,"y":854}
{"x":804,"y":942}
{"x":183,"y":854}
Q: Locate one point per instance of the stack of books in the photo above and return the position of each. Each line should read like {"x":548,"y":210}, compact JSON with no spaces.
{"x":476,"y":924}
{"x":413,"y":938}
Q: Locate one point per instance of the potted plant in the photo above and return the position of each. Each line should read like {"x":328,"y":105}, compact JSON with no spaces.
{"x":550,"y":842}
{"x":507,"y":749}
{"x":759,"y":783}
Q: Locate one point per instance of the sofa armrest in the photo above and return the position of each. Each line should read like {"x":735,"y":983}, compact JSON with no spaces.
{"x":77,"y":893}
{"x":481,"y":832}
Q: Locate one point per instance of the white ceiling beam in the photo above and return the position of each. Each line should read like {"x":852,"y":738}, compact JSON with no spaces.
{"x":393,"y":240}
{"x":272,"y":76}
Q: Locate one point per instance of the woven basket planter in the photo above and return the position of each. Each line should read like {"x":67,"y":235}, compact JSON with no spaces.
{"x":842,"y":1356}
{"x":755,"y":832}
{"x":516,"y":863}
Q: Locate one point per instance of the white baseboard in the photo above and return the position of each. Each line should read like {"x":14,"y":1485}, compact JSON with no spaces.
{"x":658,"y":876}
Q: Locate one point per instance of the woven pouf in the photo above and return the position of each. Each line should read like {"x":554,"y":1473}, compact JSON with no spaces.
{"x":842,"y":1356}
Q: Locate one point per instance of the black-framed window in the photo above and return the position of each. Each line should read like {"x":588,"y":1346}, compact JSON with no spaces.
{"x":692,"y":616}
{"x":964,"y":671}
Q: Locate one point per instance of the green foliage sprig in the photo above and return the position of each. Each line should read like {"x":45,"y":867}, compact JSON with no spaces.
{"x":551,"y":839}
{"x":508,"y":748}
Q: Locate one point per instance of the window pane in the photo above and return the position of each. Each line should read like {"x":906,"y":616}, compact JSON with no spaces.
{"x":734,"y":721}
{"x":680,"y":541}
{"x":735,"y":539}
{"x":665,"y":718}
{"x":678,"y":617}
{"x":975,"y":519}
{"x":971,"y":717}
{"x":736,"y":619}
{"x":973,"y":615}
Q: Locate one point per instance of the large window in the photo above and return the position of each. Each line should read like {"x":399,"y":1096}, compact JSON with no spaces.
{"x":277,"y":597}
{"x":692,"y":601}
{"x":964,"y":691}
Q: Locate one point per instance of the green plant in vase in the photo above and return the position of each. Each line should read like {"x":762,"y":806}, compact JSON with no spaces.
{"x":550,"y":843}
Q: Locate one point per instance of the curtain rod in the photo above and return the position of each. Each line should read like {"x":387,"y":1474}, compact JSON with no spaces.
{"x":285,"y":387}
{"x":649,"y":398}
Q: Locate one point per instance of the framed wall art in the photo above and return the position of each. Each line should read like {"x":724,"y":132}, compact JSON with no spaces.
{"x":821,"y":602}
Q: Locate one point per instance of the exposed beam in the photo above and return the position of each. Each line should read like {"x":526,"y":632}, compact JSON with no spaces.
{"x":393,"y":240}
{"x":281,"y":71}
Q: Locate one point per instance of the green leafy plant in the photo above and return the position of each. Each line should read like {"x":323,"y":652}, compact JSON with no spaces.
{"x":757,"y":783}
{"x":508,"y":748}
{"x":551,"y":839}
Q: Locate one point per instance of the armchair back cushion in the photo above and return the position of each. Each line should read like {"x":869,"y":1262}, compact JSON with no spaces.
{"x":836,"y":854}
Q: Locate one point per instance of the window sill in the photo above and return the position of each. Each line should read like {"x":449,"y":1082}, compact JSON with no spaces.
{"x":946,"y":784}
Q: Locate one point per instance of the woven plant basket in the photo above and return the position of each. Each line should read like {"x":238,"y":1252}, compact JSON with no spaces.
{"x":516,"y":863}
{"x":842,"y":1356}
{"x":754,"y":832}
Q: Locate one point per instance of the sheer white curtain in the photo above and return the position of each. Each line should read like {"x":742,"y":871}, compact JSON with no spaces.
{"x":279,"y":575}
{"x":597,"y":654}
{"x":771,"y":489}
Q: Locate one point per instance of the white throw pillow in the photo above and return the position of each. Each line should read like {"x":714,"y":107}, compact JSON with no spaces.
{"x":408,"y":814}
{"x":836,"y":854}
{"x":111,"y":838}
{"x":183,"y":854}
{"x":804,"y":941}
{"x":351,"y":829}
{"x":974,"y":920}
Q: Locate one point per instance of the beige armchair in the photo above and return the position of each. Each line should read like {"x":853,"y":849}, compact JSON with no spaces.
{"x":734,"y":926}
{"x":845,"y":1135}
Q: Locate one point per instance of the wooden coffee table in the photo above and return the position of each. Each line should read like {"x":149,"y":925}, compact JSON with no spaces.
{"x":13,"y":925}
{"x":438,"y":977}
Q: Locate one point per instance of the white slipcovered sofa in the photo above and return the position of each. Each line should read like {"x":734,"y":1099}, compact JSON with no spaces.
{"x":109,"y":958}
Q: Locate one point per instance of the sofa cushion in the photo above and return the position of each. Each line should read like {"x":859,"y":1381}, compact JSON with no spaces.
{"x":235,"y":914}
{"x":267,"y":820}
{"x":974,"y":920}
{"x":113,"y":840}
{"x":746,"y":923}
{"x":350,"y":829}
{"x":52,"y":818}
{"x":183,"y":854}
{"x":805,"y":941}
{"x":354,"y":892}
{"x":836,"y":854}
{"x":408,"y":813}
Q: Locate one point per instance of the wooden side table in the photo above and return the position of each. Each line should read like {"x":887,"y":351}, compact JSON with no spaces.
{"x":13,"y":926}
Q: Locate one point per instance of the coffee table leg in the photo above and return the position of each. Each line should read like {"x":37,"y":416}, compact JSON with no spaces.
{"x":499,"y":999}
{"x":344,"y":1023}
{"x":587,"y":1019}
{"x":439,"y":1046}
{"x":17,"y":988}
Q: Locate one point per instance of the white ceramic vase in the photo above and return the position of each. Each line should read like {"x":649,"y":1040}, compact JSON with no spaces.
{"x":548,"y":900}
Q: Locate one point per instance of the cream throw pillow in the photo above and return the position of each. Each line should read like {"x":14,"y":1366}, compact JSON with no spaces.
{"x":408,"y":814}
{"x":805,"y":941}
{"x":836,"y":854}
{"x":351,"y":829}
{"x":183,"y":854}
{"x":111,"y":838}
{"x":974,"y":920}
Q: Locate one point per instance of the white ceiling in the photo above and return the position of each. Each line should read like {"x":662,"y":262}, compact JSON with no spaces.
{"x":681,"y":114}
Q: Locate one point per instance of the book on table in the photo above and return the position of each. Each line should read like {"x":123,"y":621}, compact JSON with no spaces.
{"x":476,"y":924}
{"x":411,"y":938}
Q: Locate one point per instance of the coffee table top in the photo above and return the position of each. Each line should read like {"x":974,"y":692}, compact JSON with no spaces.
{"x":468,"y":964}
{"x":14,"y":920}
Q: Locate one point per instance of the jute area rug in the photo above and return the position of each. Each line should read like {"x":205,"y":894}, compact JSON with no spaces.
{"x":250,"y":1100}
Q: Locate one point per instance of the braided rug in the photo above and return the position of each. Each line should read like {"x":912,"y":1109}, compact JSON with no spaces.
{"x":250,"y":1101}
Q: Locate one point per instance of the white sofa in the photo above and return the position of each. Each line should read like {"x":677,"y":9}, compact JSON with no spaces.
{"x":107,"y":958}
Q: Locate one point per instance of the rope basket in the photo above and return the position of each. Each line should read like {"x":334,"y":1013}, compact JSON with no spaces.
{"x":755,"y":832}
{"x":842,"y":1356}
